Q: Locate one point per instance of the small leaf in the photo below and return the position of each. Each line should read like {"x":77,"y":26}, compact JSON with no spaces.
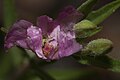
{"x":86,"y":7}
{"x":101,"y":14}
{"x":87,"y":33}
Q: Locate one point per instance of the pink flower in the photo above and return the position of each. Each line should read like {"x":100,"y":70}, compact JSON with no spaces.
{"x":58,"y":34}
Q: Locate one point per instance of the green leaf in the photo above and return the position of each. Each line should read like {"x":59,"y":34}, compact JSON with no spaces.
{"x":88,"y":33}
{"x":101,"y":14}
{"x":100,"y":61}
{"x":86,"y":7}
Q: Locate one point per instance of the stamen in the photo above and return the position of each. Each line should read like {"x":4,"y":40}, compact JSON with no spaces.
{"x":47,"y":49}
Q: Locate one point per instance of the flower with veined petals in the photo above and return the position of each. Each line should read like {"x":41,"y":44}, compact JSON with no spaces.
{"x":59,"y":35}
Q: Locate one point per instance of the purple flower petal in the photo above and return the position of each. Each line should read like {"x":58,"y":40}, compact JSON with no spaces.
{"x":68,"y":47}
{"x":17,"y":34}
{"x":64,"y":44}
{"x":53,"y":40}
{"x":34,"y":40}
{"x":69,"y":15}
{"x":46,"y":24}
{"x":67,"y":44}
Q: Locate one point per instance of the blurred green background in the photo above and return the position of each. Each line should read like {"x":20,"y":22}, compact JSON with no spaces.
{"x":13,"y":65}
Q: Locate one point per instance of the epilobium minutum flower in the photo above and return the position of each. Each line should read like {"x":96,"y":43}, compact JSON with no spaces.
{"x":58,"y":35}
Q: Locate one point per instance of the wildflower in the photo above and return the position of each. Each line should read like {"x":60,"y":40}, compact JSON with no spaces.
{"x":58,"y":35}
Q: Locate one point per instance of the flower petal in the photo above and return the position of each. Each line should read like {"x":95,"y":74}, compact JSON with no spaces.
{"x":46,"y":24}
{"x":34,"y":40}
{"x":69,"y":15}
{"x":68,"y":47}
{"x":64,"y":42}
{"x":53,"y":40}
{"x":17,"y":34}
{"x":68,"y":44}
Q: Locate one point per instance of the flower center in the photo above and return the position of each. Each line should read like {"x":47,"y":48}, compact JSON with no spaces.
{"x":47,"y":49}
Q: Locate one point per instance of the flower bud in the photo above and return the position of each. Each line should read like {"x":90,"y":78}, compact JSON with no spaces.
{"x":85,"y":29}
{"x":98,"y":47}
{"x":84,"y":24}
